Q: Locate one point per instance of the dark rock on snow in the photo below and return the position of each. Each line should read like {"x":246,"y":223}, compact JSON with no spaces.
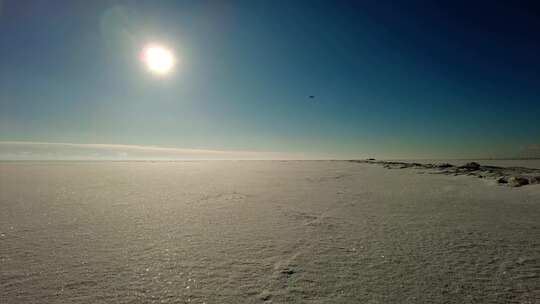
{"x":471,"y":166}
{"x":517,"y":181}
{"x":444,"y":165}
{"x":502,"y":180}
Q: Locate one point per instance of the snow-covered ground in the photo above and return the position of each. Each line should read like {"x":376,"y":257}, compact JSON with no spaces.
{"x":262,"y":231}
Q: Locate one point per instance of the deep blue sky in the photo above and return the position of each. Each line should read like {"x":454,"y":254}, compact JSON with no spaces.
{"x":402,"y":79}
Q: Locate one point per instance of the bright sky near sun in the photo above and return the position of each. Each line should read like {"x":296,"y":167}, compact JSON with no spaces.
{"x":158,"y":59}
{"x":395,"y":79}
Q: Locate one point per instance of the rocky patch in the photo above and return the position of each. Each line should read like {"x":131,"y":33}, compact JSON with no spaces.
{"x":508,"y":176}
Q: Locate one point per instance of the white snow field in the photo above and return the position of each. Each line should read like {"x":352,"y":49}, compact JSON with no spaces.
{"x":262,"y":232}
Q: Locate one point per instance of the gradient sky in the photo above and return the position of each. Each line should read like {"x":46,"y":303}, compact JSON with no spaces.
{"x":398,"y":79}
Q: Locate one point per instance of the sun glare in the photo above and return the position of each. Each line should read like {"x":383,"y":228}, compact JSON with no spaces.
{"x":158,"y":59}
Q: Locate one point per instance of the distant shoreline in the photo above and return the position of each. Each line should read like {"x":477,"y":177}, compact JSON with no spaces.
{"x":511,"y":172}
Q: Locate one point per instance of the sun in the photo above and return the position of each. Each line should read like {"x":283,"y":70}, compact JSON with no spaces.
{"x":158,"y":59}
